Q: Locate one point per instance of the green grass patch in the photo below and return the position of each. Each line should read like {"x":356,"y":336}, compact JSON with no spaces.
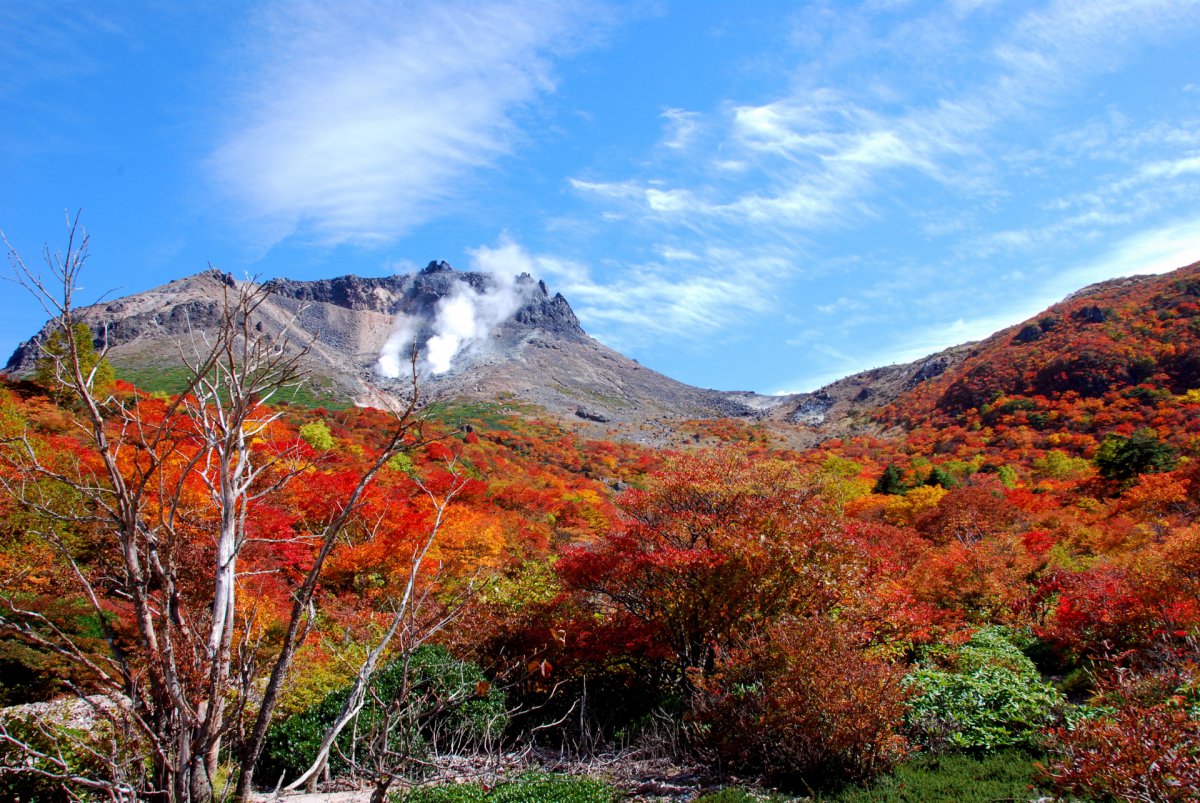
{"x":316,"y":392}
{"x":960,"y":777}
{"x":153,"y":379}
{"x":484,"y":415}
{"x":1002,"y":775}
{"x":311,"y":395}
{"x":530,"y":788}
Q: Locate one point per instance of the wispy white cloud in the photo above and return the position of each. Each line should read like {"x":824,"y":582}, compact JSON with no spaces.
{"x":1145,"y":190}
{"x":356,"y":121}
{"x":653,"y":299}
{"x":825,"y":151}
{"x":669,"y":253}
{"x":907,"y":124}
{"x":841,"y":306}
{"x":681,"y":128}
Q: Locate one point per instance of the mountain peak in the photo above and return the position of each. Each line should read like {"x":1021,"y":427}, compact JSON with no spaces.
{"x":474,"y":318}
{"x":488,"y":336}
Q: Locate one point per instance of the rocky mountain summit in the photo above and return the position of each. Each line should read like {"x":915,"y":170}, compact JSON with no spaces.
{"x":493,"y":339}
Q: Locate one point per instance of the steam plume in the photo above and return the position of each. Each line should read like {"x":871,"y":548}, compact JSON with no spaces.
{"x":461,"y":321}
{"x":397,"y":348}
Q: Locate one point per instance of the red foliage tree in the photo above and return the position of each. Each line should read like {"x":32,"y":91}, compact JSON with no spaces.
{"x":803,"y":704}
{"x":715,"y":545}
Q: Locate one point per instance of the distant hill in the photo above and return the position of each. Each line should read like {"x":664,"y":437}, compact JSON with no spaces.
{"x":518,"y":342}
{"x":1137,"y":336}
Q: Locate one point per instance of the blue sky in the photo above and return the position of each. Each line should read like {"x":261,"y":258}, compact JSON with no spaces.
{"x":761,"y":195}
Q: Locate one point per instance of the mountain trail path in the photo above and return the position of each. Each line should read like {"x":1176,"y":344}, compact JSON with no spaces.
{"x":360,"y":796}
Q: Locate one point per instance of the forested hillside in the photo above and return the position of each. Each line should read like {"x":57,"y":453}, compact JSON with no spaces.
{"x":1015,"y":565}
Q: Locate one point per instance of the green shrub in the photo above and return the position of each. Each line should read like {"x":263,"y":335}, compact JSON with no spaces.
{"x":1058,"y":465}
{"x":990,"y":696}
{"x":954,"y":778}
{"x":891,"y":481}
{"x":1125,"y":459}
{"x":53,"y":366}
{"x":402,"y":463}
{"x":1009,"y":774}
{"x":530,"y":788}
{"x":940,"y":477}
{"x":316,"y":434}
{"x":445,"y":699}
{"x":1008,"y":476}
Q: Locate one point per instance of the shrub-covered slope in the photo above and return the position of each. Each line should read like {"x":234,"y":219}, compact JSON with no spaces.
{"x":1016,"y":563}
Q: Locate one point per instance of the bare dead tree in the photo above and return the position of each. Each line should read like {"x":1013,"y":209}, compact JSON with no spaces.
{"x":178,"y":674}
{"x":406,"y":620}
{"x":405,"y":435}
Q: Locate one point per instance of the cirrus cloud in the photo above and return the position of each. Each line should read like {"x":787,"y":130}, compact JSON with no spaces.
{"x":356,"y":122}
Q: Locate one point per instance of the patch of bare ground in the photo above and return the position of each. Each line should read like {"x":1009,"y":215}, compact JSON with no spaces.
{"x":642,"y":779}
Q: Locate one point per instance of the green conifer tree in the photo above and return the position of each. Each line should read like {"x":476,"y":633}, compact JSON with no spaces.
{"x":890,"y":482}
{"x":53,"y":368}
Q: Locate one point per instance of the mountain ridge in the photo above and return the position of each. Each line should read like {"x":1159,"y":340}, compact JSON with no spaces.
{"x":535,"y":351}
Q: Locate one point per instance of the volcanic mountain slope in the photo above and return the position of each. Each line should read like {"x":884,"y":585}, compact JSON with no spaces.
{"x":847,"y":406}
{"x":519,"y":343}
{"x":514,"y":341}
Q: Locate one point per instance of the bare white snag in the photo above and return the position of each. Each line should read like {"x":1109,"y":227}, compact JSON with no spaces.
{"x":180,"y":678}
{"x":402,"y":614}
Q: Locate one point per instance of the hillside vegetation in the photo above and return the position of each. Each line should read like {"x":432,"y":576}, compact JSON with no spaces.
{"x":1012,"y":570}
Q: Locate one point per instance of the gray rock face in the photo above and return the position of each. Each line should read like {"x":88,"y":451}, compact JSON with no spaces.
{"x":591,"y":415}
{"x":812,"y":411}
{"x":932,"y":367}
{"x":361,"y":294}
{"x":550,"y":314}
{"x":538,"y":354}
{"x":418,"y":295}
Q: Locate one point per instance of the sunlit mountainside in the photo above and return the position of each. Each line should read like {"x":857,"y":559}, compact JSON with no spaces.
{"x":924,"y":575}
{"x":600,"y":402}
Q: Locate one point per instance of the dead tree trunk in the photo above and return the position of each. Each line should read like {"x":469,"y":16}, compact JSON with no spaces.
{"x":178,"y":673}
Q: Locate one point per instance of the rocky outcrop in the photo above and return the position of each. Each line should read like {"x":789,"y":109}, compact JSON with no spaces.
{"x":550,"y":314}
{"x":160,"y":317}
{"x":538,"y":354}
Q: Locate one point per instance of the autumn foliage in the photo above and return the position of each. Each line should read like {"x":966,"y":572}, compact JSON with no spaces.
{"x":777,"y":606}
{"x":714,"y":546}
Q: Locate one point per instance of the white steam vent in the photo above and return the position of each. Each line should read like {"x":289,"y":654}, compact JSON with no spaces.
{"x":461,"y":321}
